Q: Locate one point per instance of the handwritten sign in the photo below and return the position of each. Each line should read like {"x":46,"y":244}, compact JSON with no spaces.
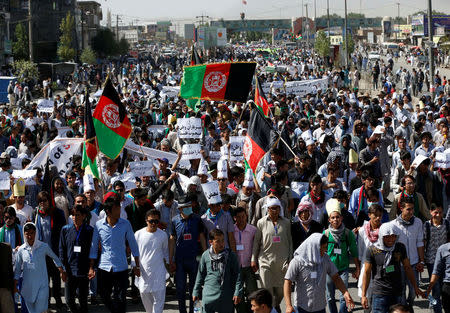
{"x":236,"y":148}
{"x":299,"y":87}
{"x":224,"y":151}
{"x":212,"y":192}
{"x":5,"y":183}
{"x":127,"y":179}
{"x":191,"y":151}
{"x":27,"y":175}
{"x":189,"y":128}
{"x":214,"y":156}
{"x":45,"y":105}
{"x":142,"y":168}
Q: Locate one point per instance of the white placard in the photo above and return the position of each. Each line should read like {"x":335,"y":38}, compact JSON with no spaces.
{"x":45,"y":105}
{"x":88,"y":182}
{"x":189,"y":128}
{"x":299,"y":87}
{"x":442,"y":160}
{"x":16,"y":163}
{"x":191,"y":151}
{"x":62,"y":131}
{"x":142,"y":168}
{"x":127,"y":179}
{"x":5,"y":183}
{"x":212,"y":192}
{"x":224,"y":151}
{"x":236,"y":148}
{"x":27,"y":175}
{"x":214,"y":156}
{"x":299,"y":187}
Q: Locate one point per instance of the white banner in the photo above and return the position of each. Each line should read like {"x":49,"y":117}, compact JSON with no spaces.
{"x":212,"y":193}
{"x":62,"y":131}
{"x":191,"y":151}
{"x":442,"y":159}
{"x":27,"y":175}
{"x":170,"y":91}
{"x":45,"y":105}
{"x":236,"y":146}
{"x":189,"y":128}
{"x":142,"y":168}
{"x":299,"y":87}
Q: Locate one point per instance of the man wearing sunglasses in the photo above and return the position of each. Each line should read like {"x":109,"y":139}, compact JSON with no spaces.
{"x":154,"y":256}
{"x":11,"y":232}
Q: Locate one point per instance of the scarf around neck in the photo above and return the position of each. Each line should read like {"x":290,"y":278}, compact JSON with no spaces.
{"x":372,"y":235}
{"x":337,"y":234}
{"x":405,"y":223}
{"x":386,"y":229}
{"x":219,"y":262}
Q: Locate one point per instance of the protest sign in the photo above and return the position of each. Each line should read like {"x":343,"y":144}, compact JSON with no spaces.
{"x":189,"y":128}
{"x":222,"y":168}
{"x":62,"y":131}
{"x":299,"y":87}
{"x":5,"y":183}
{"x":127,"y":179}
{"x":88,"y":182}
{"x":27,"y":175}
{"x":45,"y":105}
{"x":142,"y":168}
{"x":170,"y":91}
{"x":191,"y":151}
{"x":298,"y":188}
{"x":214,"y":156}
{"x":224,"y":151}
{"x":212,"y":192}
{"x":442,"y":159}
{"x":236,"y":148}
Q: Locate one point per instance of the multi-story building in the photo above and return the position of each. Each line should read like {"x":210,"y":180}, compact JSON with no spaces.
{"x":88,"y":17}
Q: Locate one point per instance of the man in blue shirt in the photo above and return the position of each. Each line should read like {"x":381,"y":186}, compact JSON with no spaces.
{"x":112,"y":233}
{"x":186,"y":239}
{"x":74,"y":247}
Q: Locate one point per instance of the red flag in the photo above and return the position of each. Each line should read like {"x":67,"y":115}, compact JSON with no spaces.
{"x":260,"y":99}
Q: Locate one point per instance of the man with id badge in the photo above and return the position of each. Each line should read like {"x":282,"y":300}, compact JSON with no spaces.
{"x":244,"y":235}
{"x":383,"y":262}
{"x":187,"y":241}
{"x":74,"y":247}
{"x":272,"y":250}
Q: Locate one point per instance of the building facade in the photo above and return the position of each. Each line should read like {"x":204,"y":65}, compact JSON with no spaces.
{"x":88,"y":17}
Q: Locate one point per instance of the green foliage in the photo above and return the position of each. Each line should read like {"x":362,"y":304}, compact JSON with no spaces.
{"x":322,"y":44}
{"x":104,"y":44}
{"x":351,"y":44}
{"x":354,"y":15}
{"x":123,"y":46}
{"x":88,"y":56}
{"x":66,"y":52}
{"x":25,"y":70}
{"x":332,"y":16}
{"x":20,"y":46}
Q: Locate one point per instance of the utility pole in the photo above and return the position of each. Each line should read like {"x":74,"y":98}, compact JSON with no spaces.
{"x":307,"y":26}
{"x":328,"y":21}
{"x":345,"y":35}
{"x":30,"y":32}
{"x":117,"y":27}
{"x":430,"y":48}
{"x":202,"y":17}
{"x":398,"y":20}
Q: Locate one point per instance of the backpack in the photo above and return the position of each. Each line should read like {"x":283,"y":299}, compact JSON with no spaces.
{"x":346,"y":232}
{"x":428,"y":230}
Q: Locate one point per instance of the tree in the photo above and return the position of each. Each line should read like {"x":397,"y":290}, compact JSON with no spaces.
{"x":351,"y":44}
{"x":25,"y":70}
{"x":332,"y":16}
{"x":322,"y":44}
{"x":354,"y":15}
{"x":88,"y":56}
{"x":123,"y":46}
{"x":20,"y":46}
{"x":66,"y":52}
{"x":104,"y":43}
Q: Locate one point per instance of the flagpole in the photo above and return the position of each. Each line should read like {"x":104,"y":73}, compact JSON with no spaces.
{"x":240,"y":118}
{"x":101,"y":169}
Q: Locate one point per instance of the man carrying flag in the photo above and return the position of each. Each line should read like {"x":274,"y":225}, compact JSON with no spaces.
{"x":90,"y":140}
{"x":260,"y":99}
{"x":258,"y":139}
{"x":111,"y":123}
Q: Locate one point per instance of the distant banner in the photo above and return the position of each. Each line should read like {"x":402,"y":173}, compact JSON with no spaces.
{"x":142,"y":168}
{"x":299,"y":87}
{"x":170,"y":91}
{"x":45,"y":105}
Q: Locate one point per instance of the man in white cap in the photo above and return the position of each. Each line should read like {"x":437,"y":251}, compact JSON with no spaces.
{"x":272,"y":249}
{"x":24,"y":211}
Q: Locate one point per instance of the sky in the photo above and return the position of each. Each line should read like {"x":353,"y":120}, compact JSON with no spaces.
{"x":182,"y":11}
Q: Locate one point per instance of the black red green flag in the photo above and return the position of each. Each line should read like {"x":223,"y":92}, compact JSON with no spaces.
{"x":218,"y":81}
{"x":111,"y":123}
{"x":195,"y":58}
{"x":260,"y":99}
{"x":90,"y":150}
{"x":258,"y":140}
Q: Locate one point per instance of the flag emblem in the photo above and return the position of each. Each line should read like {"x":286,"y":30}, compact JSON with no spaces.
{"x":215,"y":81}
{"x":247,"y":149}
{"x":110,"y":115}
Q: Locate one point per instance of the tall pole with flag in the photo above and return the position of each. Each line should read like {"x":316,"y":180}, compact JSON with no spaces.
{"x":90,"y":146}
{"x":260,"y":99}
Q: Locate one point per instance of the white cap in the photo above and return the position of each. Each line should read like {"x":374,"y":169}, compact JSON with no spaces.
{"x":272,"y":201}
{"x":88,"y":183}
{"x":248,"y":180}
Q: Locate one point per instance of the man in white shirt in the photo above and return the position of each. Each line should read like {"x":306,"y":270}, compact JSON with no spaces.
{"x":153,"y":245}
{"x":24,"y":212}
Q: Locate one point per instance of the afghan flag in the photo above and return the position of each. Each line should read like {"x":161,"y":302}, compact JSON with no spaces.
{"x":111,"y":123}
{"x":90,"y":141}
{"x":260,"y":99}
{"x":218,"y":81}
{"x":195,"y":58}
{"x":258,"y":140}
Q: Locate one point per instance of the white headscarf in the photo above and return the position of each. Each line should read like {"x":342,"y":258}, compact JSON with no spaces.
{"x":308,"y":254}
{"x":36,"y":243}
{"x":386,"y":229}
